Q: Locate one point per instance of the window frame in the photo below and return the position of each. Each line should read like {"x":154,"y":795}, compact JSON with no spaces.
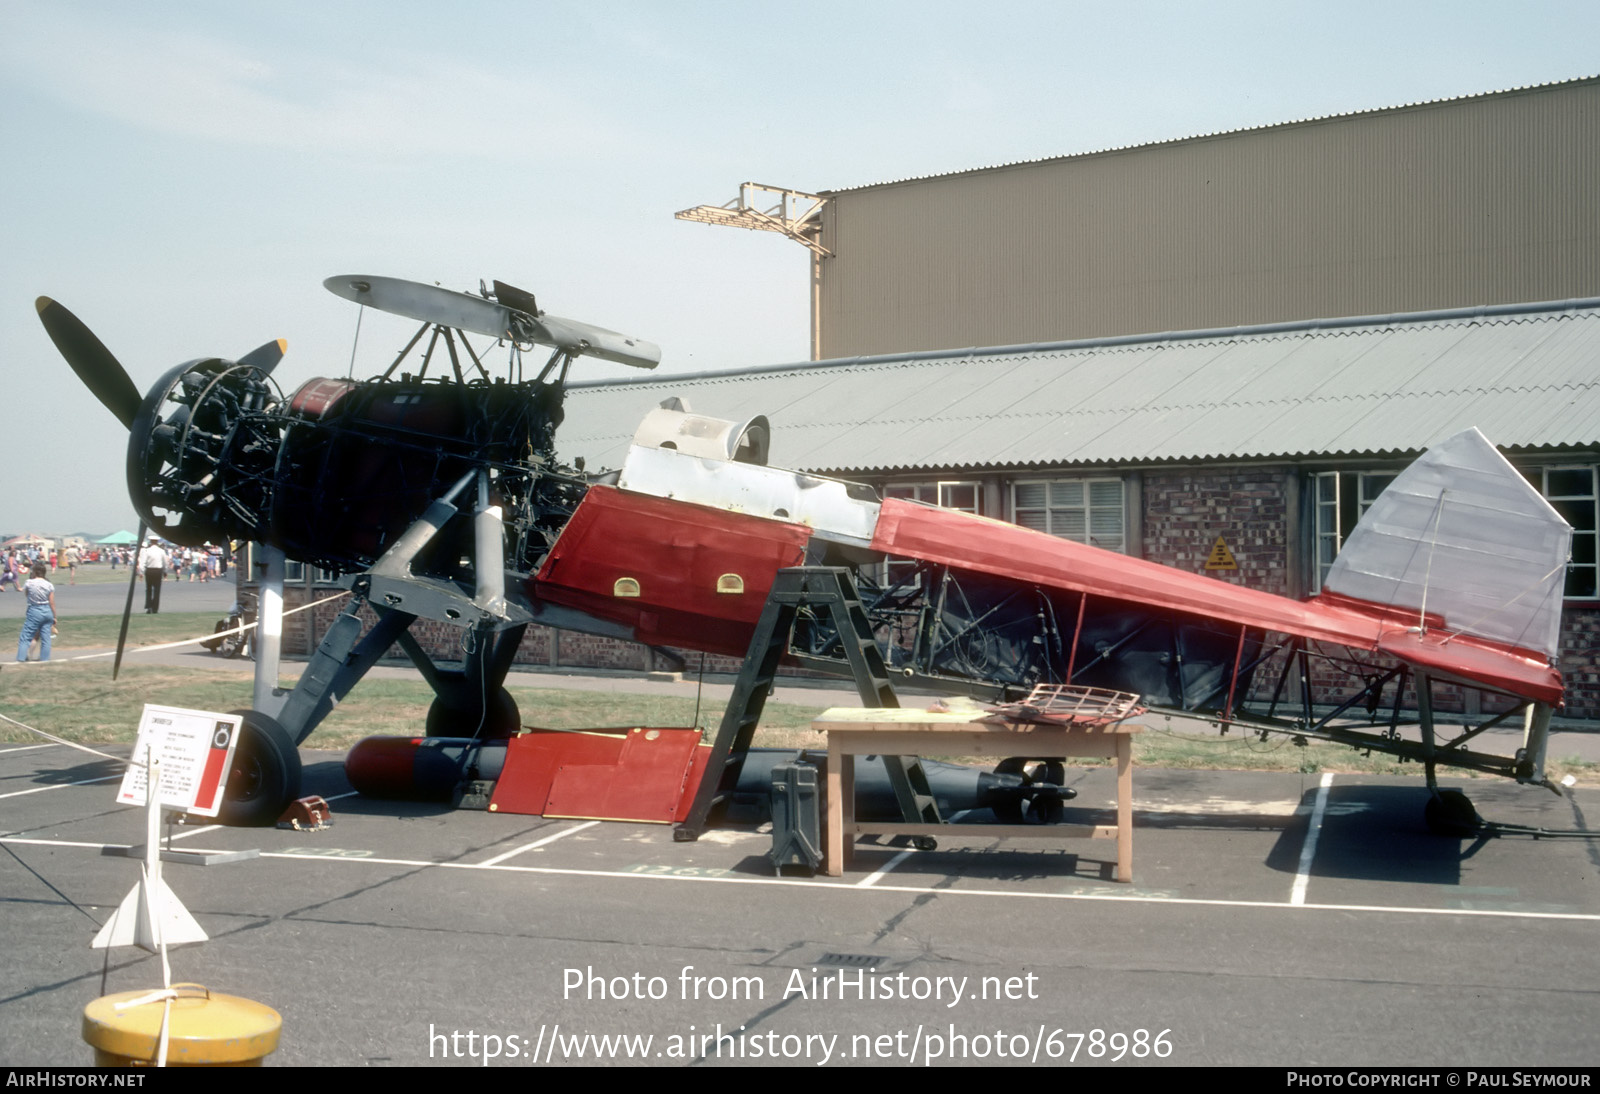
{"x":1350,"y":497}
{"x":1088,"y":508}
{"x":1543,"y":472}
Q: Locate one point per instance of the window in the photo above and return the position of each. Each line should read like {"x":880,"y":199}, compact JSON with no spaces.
{"x":960,"y":496}
{"x":1086,"y":510}
{"x":1571,"y":490}
{"x":1338,"y":500}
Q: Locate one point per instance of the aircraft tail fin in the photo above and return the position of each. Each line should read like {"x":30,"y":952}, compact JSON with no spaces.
{"x":1462,"y":536}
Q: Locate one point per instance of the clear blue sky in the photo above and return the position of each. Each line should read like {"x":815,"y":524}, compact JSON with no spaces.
{"x":184,"y":175}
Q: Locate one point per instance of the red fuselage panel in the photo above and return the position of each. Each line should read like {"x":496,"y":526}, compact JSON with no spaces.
{"x":656,"y":565}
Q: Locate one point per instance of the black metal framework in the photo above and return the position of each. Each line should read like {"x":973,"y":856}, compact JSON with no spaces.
{"x":973,"y":633}
{"x":821,"y":596}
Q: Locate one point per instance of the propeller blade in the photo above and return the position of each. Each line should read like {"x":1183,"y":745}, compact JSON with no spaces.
{"x":100,"y":372}
{"x":266,"y":357}
{"x":127,"y":607}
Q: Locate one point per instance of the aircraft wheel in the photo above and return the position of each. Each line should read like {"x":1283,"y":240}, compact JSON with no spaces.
{"x":924,"y":843}
{"x":266,"y":773}
{"x":1450,"y":813}
{"x":503,"y":719}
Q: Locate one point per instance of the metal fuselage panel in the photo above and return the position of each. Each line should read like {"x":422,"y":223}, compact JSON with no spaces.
{"x":657,"y":565}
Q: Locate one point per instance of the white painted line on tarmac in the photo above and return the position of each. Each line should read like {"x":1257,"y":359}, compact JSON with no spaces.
{"x":498,"y":859}
{"x":60,"y":786}
{"x":1581,"y":917}
{"x":1308,"y":850}
{"x":872,"y":879}
{"x":919,"y":890}
{"x":186,"y":833}
{"x":25,"y":748}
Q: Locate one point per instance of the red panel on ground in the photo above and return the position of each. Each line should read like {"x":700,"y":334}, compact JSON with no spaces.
{"x":675,"y":551}
{"x":639,"y":774}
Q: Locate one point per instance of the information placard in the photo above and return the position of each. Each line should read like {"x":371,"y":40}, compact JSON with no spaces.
{"x":195,"y":748}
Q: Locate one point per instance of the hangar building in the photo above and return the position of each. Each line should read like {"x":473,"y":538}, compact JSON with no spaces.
{"x":1483,"y":200}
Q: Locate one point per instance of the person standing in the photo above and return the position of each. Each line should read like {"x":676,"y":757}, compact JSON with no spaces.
{"x":41,"y":617}
{"x":153,"y":561}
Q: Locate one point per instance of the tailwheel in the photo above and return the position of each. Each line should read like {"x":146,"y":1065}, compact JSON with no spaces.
{"x":265,"y":776}
{"x":1450,"y":813}
{"x":465,"y":716}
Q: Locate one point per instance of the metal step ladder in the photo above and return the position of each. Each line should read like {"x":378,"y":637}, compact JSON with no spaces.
{"x":828,"y":593}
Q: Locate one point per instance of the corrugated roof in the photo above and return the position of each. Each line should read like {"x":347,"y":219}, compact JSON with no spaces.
{"x":1527,"y":375}
{"x":1523,"y":89}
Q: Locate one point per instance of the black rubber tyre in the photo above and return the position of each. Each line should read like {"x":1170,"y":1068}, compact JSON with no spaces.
{"x":265,"y":776}
{"x":1450,"y":813}
{"x":503,"y":720}
{"x":215,"y":644}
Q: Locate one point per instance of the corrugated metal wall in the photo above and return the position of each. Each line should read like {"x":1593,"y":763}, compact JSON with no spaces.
{"x":1494,"y":199}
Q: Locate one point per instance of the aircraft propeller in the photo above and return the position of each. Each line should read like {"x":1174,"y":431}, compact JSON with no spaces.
{"x":109,"y":382}
{"x":95,"y":365}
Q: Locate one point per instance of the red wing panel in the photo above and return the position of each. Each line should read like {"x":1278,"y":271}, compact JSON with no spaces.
{"x":969,"y":542}
{"x":656,"y":565}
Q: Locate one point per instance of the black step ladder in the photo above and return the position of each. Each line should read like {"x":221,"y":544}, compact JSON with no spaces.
{"x":830,"y":594}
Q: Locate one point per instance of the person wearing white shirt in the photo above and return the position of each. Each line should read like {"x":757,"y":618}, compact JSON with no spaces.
{"x":40,"y":619}
{"x":153,"y":561}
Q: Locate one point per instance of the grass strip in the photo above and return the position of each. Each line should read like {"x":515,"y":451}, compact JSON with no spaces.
{"x":81,"y":703}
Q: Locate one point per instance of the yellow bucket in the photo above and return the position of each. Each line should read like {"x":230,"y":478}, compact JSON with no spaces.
{"x":205,"y":1030}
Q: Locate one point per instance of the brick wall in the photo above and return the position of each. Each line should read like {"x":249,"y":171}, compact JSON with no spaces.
{"x":1580,"y":660}
{"x":1186,"y":510}
{"x":539,"y":646}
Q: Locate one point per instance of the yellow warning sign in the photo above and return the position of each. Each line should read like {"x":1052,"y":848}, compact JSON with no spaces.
{"x":1221,"y":558}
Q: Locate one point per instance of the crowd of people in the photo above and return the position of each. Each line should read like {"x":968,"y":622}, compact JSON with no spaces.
{"x":17,"y":563}
{"x":195,"y":563}
{"x":27,"y":569}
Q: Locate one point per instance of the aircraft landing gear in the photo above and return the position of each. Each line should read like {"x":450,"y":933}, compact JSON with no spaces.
{"x":1450,"y":813}
{"x":266,"y":773}
{"x":463,"y":716}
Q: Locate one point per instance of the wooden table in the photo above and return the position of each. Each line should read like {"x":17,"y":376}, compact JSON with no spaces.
{"x":856,"y":731}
